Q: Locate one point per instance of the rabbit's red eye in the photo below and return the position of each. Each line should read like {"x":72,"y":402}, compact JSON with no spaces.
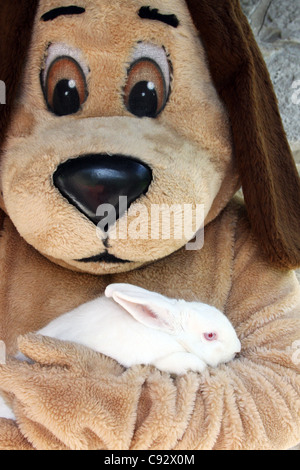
{"x":211,"y":336}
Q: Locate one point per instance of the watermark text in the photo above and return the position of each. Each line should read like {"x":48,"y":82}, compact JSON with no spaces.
{"x":296,"y":94}
{"x":157,"y":222}
{"x":2,"y":92}
{"x":296,"y":352}
{"x":2,"y":353}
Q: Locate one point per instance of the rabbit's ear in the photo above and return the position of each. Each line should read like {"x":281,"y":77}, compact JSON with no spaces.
{"x":149,"y":308}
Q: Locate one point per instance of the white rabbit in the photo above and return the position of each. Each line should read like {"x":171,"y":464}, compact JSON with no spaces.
{"x":135,"y":326}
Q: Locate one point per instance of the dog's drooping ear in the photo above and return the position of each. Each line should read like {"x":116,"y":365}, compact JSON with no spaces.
{"x":16,"y":22}
{"x":267,"y":170}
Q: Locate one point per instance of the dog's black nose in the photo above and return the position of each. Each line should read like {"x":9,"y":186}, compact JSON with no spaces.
{"x":91,"y":181}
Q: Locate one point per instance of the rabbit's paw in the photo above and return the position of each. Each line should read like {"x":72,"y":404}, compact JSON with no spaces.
{"x":180,"y":363}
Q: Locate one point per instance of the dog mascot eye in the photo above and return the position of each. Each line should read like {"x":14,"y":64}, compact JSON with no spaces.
{"x":146,"y":92}
{"x":148,"y":82}
{"x":64,"y":86}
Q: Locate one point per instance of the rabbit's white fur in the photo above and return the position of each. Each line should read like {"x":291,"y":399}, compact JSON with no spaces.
{"x":136,"y":326}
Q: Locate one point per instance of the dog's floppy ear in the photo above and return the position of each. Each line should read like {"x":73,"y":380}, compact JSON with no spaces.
{"x":266,"y":166}
{"x":16,"y":22}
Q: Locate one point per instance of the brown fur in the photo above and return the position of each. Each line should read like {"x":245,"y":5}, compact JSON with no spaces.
{"x":73,"y":398}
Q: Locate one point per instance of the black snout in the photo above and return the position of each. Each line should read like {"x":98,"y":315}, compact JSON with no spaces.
{"x":91,"y":181}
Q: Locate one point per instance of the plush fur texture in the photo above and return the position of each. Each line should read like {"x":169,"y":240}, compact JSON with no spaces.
{"x":221,"y":125}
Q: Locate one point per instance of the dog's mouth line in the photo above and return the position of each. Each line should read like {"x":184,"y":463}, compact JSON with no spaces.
{"x":103,"y":258}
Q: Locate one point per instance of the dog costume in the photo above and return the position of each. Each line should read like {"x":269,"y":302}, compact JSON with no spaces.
{"x":166,"y":103}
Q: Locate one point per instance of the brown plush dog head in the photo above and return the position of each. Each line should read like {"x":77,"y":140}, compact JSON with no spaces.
{"x":122,"y":113}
